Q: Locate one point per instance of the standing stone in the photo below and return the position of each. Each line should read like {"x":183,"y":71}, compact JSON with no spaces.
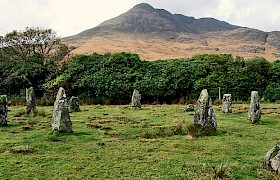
{"x":189,"y":107}
{"x":227,"y":103}
{"x":30,"y":100}
{"x":272,"y":159}
{"x":254,"y":113}
{"x":74,"y":104}
{"x":3,"y":110}
{"x":61,"y":119}
{"x":136,"y":99}
{"x":204,"y":114}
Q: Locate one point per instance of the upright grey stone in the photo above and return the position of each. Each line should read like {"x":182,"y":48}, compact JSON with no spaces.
{"x":61,"y":119}
{"x":136,"y":99}
{"x":3,"y":110}
{"x":30,"y":100}
{"x":254,"y":113}
{"x":272,"y":159}
{"x":74,"y":104}
{"x":227,"y":103}
{"x":189,"y":107}
{"x":204,"y":114}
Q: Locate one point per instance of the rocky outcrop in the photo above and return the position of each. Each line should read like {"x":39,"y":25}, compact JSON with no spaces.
{"x":227,"y":103}
{"x":61,"y":119}
{"x":136,"y":99}
{"x":30,"y":101}
{"x":254,"y":113}
{"x":272,"y":159}
{"x":204,"y":114}
{"x":3,"y":110}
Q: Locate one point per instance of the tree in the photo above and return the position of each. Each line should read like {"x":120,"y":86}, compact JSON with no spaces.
{"x":30,"y":57}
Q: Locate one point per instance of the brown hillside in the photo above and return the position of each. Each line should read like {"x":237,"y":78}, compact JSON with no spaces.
{"x":157,"y":34}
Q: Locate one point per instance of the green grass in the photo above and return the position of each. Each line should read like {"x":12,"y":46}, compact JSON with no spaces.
{"x":108,"y":143}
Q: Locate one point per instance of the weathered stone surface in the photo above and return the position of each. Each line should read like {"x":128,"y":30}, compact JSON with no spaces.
{"x":61,"y":119}
{"x":204,"y":114}
{"x":254,"y":113}
{"x":74,"y":104}
{"x":227,"y":103}
{"x":30,"y":100}
{"x":136,"y":99}
{"x":189,"y":107}
{"x":3,"y":110}
{"x":272,"y":159}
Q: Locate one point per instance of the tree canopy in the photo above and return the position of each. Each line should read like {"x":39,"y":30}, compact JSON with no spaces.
{"x":29,"y":57}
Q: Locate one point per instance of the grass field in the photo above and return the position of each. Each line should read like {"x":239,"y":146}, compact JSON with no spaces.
{"x":119,"y":142}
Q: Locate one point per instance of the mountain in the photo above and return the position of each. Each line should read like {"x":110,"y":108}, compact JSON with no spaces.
{"x":158,"y":34}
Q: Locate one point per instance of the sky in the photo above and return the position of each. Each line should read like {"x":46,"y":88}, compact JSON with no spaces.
{"x":70,"y":17}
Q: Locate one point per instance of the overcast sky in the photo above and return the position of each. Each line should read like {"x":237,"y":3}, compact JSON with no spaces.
{"x":69,"y":17}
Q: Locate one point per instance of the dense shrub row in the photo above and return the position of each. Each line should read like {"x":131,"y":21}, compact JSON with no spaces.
{"x":111,"y":78}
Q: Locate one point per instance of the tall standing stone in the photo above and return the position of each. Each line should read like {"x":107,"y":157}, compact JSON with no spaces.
{"x":227,"y":103}
{"x":3,"y":110}
{"x":74,"y":104}
{"x":136,"y":99}
{"x":61,"y":119}
{"x":30,"y":100}
{"x":272,"y":159}
{"x":204,"y":114}
{"x":254,"y":113}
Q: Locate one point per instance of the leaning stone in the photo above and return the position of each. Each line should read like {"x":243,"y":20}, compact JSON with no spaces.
{"x":254,"y":113}
{"x":3,"y":110}
{"x":204,"y":114}
{"x":272,"y":159}
{"x":74,"y":104}
{"x":136,"y":99}
{"x":189,"y":108}
{"x":30,"y":100}
{"x":61,"y":119}
{"x":227,"y":103}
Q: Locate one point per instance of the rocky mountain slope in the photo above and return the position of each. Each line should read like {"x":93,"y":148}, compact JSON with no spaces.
{"x":158,"y":34}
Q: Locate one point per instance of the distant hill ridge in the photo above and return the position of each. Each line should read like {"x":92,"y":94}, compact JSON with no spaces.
{"x":190,"y":36}
{"x":144,"y":19}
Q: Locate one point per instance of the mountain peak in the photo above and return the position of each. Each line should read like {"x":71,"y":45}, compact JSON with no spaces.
{"x":143,"y":6}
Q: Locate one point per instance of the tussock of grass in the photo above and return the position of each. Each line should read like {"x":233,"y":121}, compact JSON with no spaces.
{"x":221,"y":172}
{"x":22,"y":150}
{"x":196,"y":130}
{"x":26,"y":128}
{"x":94,"y":125}
{"x":40,"y":112}
{"x":267,"y":175}
{"x":165,"y":131}
{"x":20,"y":113}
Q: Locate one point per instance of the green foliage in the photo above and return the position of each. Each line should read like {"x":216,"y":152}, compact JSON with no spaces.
{"x":111,"y":78}
{"x":29,"y":58}
{"x":272,"y":92}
